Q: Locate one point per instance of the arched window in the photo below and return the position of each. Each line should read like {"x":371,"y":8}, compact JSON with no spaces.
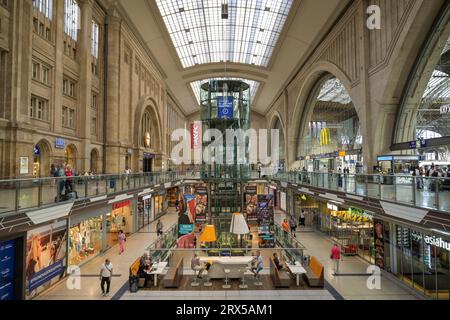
{"x":330,"y":125}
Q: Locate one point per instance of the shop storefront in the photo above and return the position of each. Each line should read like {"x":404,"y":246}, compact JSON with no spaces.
{"x":172,"y":196}
{"x":160,"y":204}
{"x":85,"y":240}
{"x":352,"y":228}
{"x":120,"y":218}
{"x":144,"y":209}
{"x":419,"y":258}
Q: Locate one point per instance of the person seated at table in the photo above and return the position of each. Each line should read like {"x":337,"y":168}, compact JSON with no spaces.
{"x":146,"y":260}
{"x":277,"y":262}
{"x":144,"y":272}
{"x":257,"y":264}
{"x":196,"y":265}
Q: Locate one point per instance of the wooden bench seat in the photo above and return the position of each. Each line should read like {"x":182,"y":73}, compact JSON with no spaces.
{"x":280,"y":278}
{"x":173,"y":277}
{"x":314,"y":276}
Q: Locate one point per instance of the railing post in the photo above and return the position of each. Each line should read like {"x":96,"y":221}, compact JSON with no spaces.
{"x":86,"y":186}
{"x":414,"y":181}
{"x":379,"y":187}
{"x":17,"y":194}
{"x":39,"y":193}
{"x":366,"y":183}
{"x":394,"y":183}
{"x":437,"y":192}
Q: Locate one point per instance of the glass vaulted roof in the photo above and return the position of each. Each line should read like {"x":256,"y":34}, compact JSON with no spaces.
{"x":248,"y":35}
{"x":254,"y":85}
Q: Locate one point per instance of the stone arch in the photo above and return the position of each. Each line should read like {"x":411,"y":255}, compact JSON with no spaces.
{"x":71,"y":156}
{"x":44,"y":157}
{"x":276,"y":122}
{"x":304,"y":106}
{"x":148,"y":104}
{"x":424,"y":64}
{"x":94,"y":160}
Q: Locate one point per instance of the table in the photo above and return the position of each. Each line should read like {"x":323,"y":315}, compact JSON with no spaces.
{"x":234,"y":264}
{"x":160,"y":267}
{"x":296,"y":269}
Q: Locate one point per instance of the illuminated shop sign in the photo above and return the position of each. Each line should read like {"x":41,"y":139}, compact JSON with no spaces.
{"x":60,"y":143}
{"x":431,"y":240}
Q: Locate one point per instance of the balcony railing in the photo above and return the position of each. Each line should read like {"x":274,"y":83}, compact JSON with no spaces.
{"x":22,"y":194}
{"x":418,"y":191}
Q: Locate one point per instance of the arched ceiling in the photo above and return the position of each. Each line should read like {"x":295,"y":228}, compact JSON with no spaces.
{"x":306,"y":23}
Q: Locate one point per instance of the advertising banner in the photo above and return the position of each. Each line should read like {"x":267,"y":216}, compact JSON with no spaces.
{"x":265,"y":219}
{"x":379,"y":243}
{"x":196,"y":135}
{"x":225,"y":107}
{"x":7,"y":268}
{"x":46,"y":257}
{"x":251,"y":203}
{"x":201,"y":205}
{"x":186,"y":222}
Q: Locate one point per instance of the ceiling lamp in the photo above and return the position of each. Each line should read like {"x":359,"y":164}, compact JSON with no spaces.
{"x":209,"y":234}
{"x":239,"y":225}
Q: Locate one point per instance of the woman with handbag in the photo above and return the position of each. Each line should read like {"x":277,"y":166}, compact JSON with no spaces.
{"x":122,"y":239}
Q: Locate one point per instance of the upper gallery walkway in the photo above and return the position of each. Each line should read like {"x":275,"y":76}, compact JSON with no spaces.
{"x":27,"y":194}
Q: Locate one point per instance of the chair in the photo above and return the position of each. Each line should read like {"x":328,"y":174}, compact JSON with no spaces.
{"x":243,"y":285}
{"x":195,"y":283}
{"x":226,"y":285}
{"x":207,"y":282}
{"x":258,"y":282}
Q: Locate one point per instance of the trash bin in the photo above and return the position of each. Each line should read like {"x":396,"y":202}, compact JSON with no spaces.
{"x":134,"y":284}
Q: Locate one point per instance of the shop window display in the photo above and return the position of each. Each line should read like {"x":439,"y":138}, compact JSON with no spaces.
{"x":352,"y":228}
{"x":86,"y":240}
{"x":422,"y":264}
{"x":119,"y":219}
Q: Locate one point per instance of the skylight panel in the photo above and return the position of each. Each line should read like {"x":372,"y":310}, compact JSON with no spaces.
{"x":253,"y":27}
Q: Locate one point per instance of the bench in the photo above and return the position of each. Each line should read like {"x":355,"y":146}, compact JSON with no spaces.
{"x":280,"y":278}
{"x":173,"y":277}
{"x":314,"y":275}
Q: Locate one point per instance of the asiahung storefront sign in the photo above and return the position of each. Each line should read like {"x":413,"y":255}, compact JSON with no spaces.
{"x":437,"y":242}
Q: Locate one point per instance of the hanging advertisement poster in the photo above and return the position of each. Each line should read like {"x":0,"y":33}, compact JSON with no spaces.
{"x":379,"y":243}
{"x":201,"y":205}
{"x":186,"y":216}
{"x":46,"y":257}
{"x":265,"y":219}
{"x":7,"y":274}
{"x":251,"y":203}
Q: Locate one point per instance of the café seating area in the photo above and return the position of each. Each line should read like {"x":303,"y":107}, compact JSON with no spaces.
{"x":230,"y":273}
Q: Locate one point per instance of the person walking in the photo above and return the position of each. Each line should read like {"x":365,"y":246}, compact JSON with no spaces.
{"x":286,"y":228}
{"x":301,"y":219}
{"x":336,"y":257}
{"x":106,"y":272}
{"x":122,"y":239}
{"x":159,"y":228}
{"x":293,"y":226}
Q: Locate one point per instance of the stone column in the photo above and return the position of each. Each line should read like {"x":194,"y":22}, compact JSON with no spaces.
{"x":59,"y":67}
{"x":112,"y":120}
{"x":85,"y":84}
{"x":18,"y":134}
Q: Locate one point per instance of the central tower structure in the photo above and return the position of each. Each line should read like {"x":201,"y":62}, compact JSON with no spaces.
{"x":225,"y":107}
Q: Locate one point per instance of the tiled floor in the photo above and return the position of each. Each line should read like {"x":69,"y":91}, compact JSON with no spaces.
{"x":350,"y":287}
{"x":90,"y":284}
